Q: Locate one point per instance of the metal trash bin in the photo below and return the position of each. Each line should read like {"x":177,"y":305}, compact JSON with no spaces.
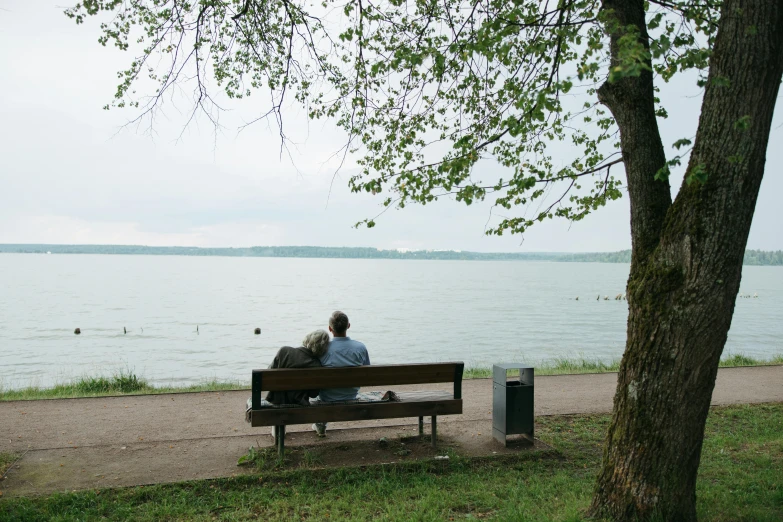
{"x":512,"y":401}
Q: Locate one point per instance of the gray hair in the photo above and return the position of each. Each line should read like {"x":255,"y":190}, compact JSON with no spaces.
{"x":339,"y":322}
{"x":317,"y":342}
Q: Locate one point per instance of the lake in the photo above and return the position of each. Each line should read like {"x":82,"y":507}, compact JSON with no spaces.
{"x":189,"y":319}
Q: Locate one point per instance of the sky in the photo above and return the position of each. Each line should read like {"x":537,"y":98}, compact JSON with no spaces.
{"x":73,"y":173}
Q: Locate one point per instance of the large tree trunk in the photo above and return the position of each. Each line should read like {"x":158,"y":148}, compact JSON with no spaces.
{"x":687,"y":262}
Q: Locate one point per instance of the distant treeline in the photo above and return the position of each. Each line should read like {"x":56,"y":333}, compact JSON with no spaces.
{"x":752,"y":257}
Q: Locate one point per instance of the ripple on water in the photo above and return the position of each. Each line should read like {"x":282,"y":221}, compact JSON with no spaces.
{"x":479,"y":312}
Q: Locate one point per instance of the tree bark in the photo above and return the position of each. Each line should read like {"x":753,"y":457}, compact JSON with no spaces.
{"x":685,"y":276}
{"x":632,"y":102}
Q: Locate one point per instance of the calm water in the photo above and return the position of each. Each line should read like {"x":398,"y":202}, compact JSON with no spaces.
{"x":405,"y":311}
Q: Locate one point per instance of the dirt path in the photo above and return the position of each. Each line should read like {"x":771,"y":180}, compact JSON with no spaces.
{"x":131,"y":440}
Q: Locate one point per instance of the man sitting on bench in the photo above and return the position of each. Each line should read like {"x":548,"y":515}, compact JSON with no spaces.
{"x":342,"y":351}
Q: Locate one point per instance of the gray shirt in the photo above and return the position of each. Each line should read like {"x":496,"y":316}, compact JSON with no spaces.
{"x":343,"y":351}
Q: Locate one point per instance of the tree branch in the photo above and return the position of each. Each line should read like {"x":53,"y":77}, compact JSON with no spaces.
{"x":631,"y":99}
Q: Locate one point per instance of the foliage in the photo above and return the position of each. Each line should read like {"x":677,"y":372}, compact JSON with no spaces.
{"x":761,"y":257}
{"x":433,"y":94}
{"x":740,"y":480}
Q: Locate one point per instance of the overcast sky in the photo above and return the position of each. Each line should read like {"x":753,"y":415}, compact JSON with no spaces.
{"x":70,"y":172}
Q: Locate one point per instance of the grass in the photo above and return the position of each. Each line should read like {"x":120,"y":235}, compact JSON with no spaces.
{"x":127,"y":383}
{"x":739,"y":480}
{"x":739,"y":359}
{"x":565,"y":366}
{"x":121,"y":383}
{"x":6,"y":460}
{"x":311,"y":458}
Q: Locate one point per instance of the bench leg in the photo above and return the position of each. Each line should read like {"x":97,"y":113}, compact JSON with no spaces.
{"x":280,"y":439}
{"x":421,"y":426}
{"x":434,"y":431}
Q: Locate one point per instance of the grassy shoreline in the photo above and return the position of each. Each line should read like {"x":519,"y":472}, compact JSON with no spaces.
{"x":128,"y":383}
{"x":738,"y":479}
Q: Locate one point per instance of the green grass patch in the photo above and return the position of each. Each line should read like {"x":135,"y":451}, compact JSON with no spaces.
{"x":6,"y":460}
{"x":127,"y":383}
{"x":477,"y":373}
{"x":567,"y":366}
{"x":738,"y":360}
{"x":262,"y":459}
{"x":562,"y":366}
{"x":559,"y":366}
{"x":121,"y":383}
{"x":739,"y":479}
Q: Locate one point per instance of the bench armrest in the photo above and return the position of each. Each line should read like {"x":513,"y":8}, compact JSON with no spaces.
{"x":255,"y":395}
{"x":458,"y":369}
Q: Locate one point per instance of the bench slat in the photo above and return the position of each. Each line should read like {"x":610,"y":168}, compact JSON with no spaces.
{"x":378,"y":375}
{"x":351,"y":412}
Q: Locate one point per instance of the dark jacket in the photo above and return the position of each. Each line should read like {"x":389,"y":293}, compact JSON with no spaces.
{"x":288,"y":357}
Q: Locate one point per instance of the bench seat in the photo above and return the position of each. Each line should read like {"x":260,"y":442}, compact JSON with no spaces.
{"x":411,"y":404}
{"x":420,"y":403}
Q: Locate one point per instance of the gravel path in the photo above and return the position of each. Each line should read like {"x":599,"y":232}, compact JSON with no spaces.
{"x":131,"y":440}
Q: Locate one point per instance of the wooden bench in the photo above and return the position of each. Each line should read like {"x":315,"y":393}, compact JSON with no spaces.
{"x":411,"y":404}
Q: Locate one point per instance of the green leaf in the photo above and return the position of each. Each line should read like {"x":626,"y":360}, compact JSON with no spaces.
{"x":663,"y":173}
{"x":426,"y":89}
{"x":698,"y":174}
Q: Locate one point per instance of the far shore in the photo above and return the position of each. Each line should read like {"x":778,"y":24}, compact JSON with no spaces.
{"x":752,"y":257}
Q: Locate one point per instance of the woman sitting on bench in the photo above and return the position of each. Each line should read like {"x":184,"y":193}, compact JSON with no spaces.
{"x":313,"y":346}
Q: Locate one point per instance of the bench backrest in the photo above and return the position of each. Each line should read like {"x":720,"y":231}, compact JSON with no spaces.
{"x":285,"y":379}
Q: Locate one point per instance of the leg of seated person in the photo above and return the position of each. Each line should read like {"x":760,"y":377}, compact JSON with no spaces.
{"x":318,"y":427}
